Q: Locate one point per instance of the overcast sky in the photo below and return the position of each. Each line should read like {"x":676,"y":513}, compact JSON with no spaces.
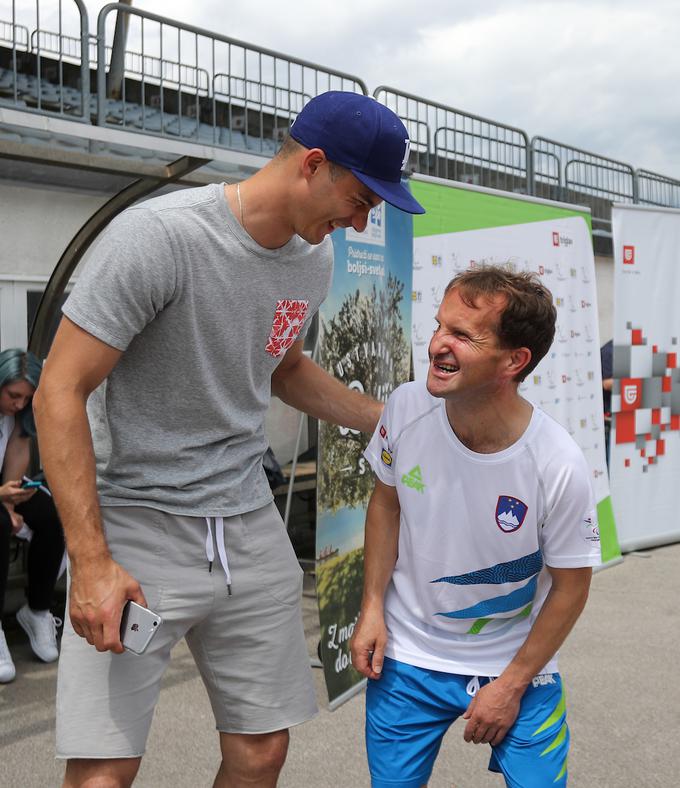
{"x":603,"y":75}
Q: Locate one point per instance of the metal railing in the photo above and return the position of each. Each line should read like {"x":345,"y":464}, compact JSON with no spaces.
{"x":181,"y":80}
{"x":59,"y":84}
{"x":14,"y":35}
{"x":242,"y":98}
{"x":563,"y":172}
{"x":655,"y":189}
{"x":241,"y":91}
{"x":233,"y":69}
{"x":135,"y":63}
{"x":49,"y":42}
{"x":453,"y":144}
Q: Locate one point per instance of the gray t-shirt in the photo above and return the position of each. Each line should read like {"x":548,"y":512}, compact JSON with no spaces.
{"x":204,"y":315}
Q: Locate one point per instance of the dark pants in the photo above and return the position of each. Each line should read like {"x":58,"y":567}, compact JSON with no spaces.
{"x":44,"y":553}
{"x":607,"y":433}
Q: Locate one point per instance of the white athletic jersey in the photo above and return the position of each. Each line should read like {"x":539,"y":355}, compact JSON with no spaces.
{"x":476,"y":533}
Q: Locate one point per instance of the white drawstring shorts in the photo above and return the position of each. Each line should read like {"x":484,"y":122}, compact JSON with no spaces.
{"x":232,"y":587}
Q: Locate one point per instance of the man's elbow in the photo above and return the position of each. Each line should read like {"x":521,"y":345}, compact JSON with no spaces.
{"x":39,"y":402}
{"x":581,"y":596}
{"x":278,"y":389}
{"x":573,"y":586}
{"x":582,"y":599}
{"x":46,"y":396}
{"x":281,"y":380}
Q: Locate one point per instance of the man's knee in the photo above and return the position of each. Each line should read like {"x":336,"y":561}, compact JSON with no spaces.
{"x":252,"y":756}
{"x":101,"y":773}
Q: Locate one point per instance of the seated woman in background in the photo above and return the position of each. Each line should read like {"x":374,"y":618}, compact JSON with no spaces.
{"x":26,"y":509}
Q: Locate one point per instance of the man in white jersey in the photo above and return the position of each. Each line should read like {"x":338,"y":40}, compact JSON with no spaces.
{"x":480,"y":537}
{"x":189,"y":314}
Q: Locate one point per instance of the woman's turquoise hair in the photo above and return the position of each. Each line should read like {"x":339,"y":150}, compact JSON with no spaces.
{"x":17,"y":365}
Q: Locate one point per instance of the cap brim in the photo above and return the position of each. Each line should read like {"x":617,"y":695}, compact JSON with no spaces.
{"x":396,"y":194}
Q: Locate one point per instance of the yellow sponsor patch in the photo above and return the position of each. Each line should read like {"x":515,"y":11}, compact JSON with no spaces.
{"x":386,"y":457}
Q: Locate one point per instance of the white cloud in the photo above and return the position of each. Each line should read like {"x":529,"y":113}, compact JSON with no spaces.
{"x":593,"y":79}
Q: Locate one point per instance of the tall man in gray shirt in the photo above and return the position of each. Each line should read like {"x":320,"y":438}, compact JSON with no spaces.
{"x":191,"y":312}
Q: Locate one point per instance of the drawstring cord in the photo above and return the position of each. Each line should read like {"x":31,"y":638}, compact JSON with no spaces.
{"x":473,"y":686}
{"x":209,"y":552}
{"x":221,"y":548}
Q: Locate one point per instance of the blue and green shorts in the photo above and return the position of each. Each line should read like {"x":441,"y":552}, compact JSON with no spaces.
{"x":409,"y":709}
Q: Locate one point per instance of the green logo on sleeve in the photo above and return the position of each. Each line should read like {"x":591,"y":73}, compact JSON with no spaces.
{"x":414,"y":479}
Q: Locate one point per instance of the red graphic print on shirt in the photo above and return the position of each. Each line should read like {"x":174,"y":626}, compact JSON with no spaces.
{"x":288,"y":319}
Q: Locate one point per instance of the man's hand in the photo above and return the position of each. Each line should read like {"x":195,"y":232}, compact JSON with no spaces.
{"x":98,"y":594}
{"x":13,"y":493}
{"x":368,"y":643}
{"x":491,"y":713}
{"x":16,"y":519}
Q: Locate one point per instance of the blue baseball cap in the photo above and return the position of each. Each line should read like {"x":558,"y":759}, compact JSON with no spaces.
{"x":362,"y":135}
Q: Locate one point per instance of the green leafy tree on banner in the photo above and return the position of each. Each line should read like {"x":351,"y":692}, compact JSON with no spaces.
{"x":364,"y":346}
{"x":339,"y":583}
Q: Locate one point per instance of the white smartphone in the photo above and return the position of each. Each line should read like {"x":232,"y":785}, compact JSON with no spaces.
{"x":137,"y":626}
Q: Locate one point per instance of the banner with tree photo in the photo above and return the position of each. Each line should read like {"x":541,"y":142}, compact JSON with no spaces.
{"x":365,"y":343}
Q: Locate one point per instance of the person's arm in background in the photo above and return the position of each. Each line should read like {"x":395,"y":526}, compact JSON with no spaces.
{"x":15,"y":465}
{"x":76,"y":365}
{"x":381,"y":545}
{"x":303,"y":384}
{"x":494,"y":708}
{"x":607,"y":386}
{"x":607,"y":364}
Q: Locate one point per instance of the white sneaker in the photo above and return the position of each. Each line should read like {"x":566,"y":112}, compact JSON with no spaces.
{"x":41,"y":628}
{"x":7,"y":669}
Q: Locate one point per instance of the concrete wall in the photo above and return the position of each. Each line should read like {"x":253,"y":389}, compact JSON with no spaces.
{"x":38,"y":222}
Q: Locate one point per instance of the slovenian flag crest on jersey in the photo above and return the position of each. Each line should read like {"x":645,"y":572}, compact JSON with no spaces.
{"x":510,"y":513}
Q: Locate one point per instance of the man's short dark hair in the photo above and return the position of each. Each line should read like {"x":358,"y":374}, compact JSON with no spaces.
{"x":289,"y":146}
{"x":528,"y":317}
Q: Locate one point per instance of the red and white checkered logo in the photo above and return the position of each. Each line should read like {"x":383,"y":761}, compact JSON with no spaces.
{"x":288,"y":320}
{"x":629,"y":255}
{"x":556,"y":239}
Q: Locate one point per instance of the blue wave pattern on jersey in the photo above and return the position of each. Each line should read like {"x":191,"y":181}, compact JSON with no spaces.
{"x":507,"y":572}
{"x":499,"y":604}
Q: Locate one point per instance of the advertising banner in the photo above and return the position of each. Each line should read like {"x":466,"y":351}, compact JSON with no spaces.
{"x":364,"y":342}
{"x":645,"y":439}
{"x":467,"y":226}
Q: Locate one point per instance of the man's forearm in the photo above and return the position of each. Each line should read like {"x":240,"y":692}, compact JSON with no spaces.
{"x":381,"y":544}
{"x":495,"y":707}
{"x":309,"y":388}
{"x":558,"y":615}
{"x":68,"y":460}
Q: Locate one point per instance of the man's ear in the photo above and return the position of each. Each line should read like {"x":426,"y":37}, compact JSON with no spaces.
{"x":519,"y":358}
{"x":312,"y":160}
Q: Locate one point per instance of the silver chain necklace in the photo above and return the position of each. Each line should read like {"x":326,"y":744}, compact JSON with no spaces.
{"x":240,"y":204}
